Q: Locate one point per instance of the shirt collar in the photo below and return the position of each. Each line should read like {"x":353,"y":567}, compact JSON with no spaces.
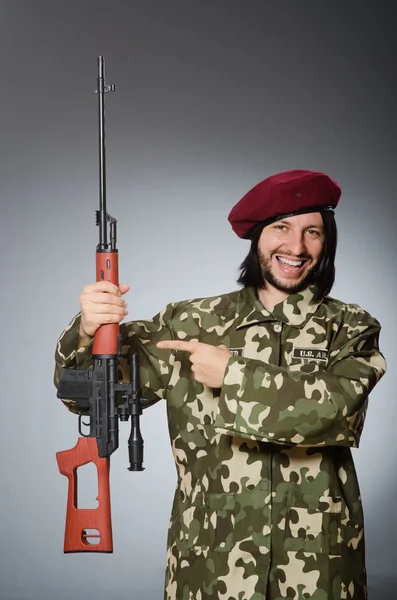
{"x":294,"y":310}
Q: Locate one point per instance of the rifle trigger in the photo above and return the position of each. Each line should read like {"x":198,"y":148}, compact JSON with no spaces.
{"x":81,"y":422}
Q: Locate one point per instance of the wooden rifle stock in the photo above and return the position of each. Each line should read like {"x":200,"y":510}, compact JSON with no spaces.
{"x":83,"y":524}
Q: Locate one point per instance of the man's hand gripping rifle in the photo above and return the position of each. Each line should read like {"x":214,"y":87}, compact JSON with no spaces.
{"x":98,"y":389}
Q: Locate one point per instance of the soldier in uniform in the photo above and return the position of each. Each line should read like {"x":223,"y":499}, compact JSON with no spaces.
{"x":267,"y":389}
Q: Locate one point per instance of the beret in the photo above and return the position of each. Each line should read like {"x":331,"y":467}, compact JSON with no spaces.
{"x":286,"y":193}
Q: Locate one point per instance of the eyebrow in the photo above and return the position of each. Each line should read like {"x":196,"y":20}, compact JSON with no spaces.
{"x":321,"y":227}
{"x":284,"y":222}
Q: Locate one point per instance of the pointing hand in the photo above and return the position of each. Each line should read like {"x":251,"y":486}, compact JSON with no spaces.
{"x":208,"y":362}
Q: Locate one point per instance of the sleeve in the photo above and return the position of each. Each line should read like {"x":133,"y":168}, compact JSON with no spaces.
{"x":322,"y":408}
{"x":137,"y":336}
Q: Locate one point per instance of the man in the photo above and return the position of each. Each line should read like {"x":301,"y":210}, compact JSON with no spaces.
{"x":266,"y":390}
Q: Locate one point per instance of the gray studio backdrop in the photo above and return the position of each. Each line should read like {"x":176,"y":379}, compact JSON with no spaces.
{"x":212,"y":96}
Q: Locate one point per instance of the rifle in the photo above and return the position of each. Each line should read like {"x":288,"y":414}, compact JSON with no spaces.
{"x":99,"y":391}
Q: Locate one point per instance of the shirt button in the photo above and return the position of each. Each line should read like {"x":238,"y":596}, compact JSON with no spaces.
{"x":277,"y":327}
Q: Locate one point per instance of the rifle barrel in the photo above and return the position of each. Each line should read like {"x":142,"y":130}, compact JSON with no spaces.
{"x":101,"y":88}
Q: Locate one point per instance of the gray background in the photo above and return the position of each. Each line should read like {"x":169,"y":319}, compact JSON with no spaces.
{"x":212,"y":96}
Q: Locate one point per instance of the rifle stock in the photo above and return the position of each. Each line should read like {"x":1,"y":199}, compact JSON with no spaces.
{"x":83,"y":523}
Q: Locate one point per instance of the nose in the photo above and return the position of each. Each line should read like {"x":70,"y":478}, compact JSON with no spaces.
{"x":296,"y":243}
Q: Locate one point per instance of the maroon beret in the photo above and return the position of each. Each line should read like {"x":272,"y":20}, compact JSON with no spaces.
{"x":288,"y":193}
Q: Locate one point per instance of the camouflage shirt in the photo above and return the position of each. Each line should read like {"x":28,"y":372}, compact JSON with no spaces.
{"x":267,"y":504}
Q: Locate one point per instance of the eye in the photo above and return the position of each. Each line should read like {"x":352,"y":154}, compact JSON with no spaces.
{"x":280,"y":227}
{"x":314,"y":232}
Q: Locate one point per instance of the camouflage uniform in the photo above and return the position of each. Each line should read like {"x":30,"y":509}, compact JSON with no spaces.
{"x":267,"y":504}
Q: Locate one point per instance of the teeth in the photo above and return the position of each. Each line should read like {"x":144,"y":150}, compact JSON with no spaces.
{"x":293,"y":263}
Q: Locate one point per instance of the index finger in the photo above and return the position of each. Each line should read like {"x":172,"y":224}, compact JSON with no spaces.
{"x":178,"y":345}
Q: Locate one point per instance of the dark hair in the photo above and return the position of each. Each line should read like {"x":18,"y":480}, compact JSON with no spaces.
{"x":322,"y":278}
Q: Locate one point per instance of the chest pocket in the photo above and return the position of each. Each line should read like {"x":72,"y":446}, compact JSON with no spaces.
{"x":207,"y":524}
{"x":313,"y":524}
{"x":305,"y":365}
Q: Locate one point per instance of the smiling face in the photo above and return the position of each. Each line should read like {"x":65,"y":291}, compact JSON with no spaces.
{"x":289,"y":251}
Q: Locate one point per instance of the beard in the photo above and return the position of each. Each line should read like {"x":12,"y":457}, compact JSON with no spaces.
{"x":283,"y":286}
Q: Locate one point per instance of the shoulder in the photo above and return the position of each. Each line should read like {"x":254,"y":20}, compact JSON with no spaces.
{"x":212,"y":305}
{"x":349,"y":314}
